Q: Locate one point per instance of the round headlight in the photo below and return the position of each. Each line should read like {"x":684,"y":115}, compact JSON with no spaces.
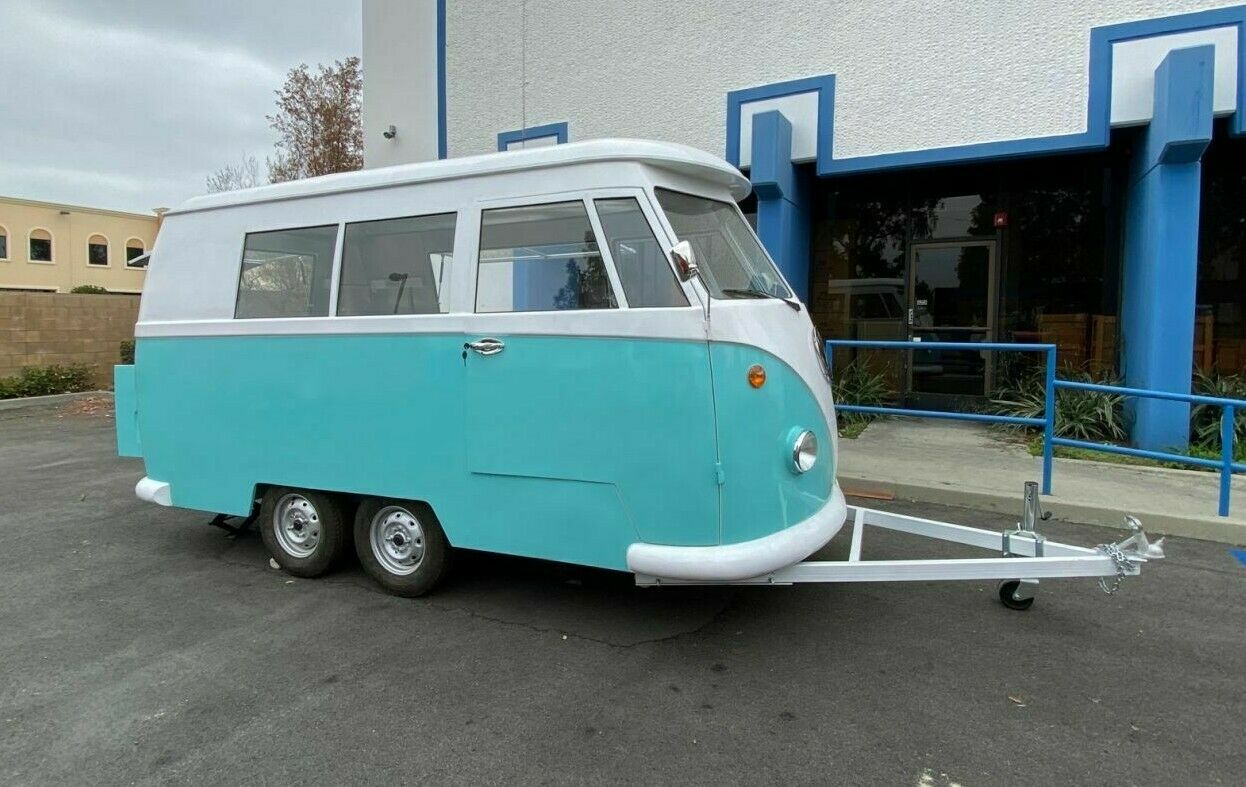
{"x":805,"y":452}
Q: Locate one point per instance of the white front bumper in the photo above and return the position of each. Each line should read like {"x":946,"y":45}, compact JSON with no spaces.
{"x":746,"y":559}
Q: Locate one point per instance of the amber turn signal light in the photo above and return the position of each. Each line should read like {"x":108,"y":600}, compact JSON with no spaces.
{"x":756,"y":376}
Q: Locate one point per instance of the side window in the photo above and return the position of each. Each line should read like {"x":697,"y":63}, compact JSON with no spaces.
{"x":133,"y":250}
{"x":644,"y":272}
{"x":397,"y":266}
{"x":97,"y":250}
{"x":540,"y":258}
{"x":286,"y":273}
{"x":40,"y":246}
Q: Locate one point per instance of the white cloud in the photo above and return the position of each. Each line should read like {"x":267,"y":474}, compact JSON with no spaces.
{"x":133,"y":109}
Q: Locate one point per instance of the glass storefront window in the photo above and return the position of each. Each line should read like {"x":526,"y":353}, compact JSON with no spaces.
{"x":858,"y":252}
{"x":1220,"y":322}
{"x":1048,"y":229}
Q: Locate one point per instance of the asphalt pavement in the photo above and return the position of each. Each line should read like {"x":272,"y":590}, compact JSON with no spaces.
{"x":140,"y":645}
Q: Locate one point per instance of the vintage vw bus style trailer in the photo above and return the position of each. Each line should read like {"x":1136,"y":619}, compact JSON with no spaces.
{"x":580,"y":353}
{"x":497,"y":353}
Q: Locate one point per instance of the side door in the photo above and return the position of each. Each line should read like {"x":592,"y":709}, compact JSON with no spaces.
{"x":590,"y":419}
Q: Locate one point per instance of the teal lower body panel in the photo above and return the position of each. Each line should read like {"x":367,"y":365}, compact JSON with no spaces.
{"x":563,"y":448}
{"x":369,"y":415}
{"x":580,"y":522}
{"x":757,"y":427}
{"x":125,"y":411}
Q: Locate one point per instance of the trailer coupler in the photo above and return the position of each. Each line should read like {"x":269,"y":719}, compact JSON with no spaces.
{"x":1025,"y":556}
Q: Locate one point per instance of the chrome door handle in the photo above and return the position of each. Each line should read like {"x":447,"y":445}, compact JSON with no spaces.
{"x":486,"y":346}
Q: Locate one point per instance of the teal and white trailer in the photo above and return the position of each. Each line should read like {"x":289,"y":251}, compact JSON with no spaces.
{"x":579,"y":353}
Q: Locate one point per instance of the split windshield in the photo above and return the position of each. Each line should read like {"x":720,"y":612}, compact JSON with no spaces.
{"x":732,"y":261}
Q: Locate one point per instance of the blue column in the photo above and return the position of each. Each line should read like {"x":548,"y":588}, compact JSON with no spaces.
{"x":1161,"y":247}
{"x":783,"y":199}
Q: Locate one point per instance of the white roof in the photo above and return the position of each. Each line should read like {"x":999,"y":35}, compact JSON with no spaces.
{"x":665,"y":155}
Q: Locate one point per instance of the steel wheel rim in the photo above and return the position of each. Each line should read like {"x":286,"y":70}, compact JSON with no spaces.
{"x":397,"y":540}
{"x":296,"y":523}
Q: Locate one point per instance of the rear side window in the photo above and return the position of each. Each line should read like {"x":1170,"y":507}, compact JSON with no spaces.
{"x":397,"y":266}
{"x":540,"y":258}
{"x":287,"y":273}
{"x":640,"y":260}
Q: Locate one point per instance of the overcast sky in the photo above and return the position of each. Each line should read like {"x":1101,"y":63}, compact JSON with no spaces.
{"x":130,"y":104}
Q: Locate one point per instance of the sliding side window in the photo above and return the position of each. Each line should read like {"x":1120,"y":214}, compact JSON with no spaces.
{"x":540,"y":258}
{"x":287,"y":273}
{"x":397,"y":266}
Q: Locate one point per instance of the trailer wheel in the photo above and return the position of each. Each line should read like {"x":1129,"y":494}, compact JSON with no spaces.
{"x":302,"y":530}
{"x":401,"y":545}
{"x":1007,"y":595}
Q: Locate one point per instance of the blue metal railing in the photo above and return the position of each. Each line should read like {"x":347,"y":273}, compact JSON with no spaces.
{"x":1229,"y":410}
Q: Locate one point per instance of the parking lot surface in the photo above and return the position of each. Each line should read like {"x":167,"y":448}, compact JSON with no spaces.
{"x":140,"y":645}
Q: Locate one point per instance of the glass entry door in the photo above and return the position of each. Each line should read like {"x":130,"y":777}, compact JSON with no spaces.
{"x":952,"y":295}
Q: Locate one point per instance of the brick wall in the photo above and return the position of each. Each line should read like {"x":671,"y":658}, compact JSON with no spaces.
{"x":40,"y":329}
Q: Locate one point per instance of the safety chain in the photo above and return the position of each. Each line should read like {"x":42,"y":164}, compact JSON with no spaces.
{"x":1122,"y":567}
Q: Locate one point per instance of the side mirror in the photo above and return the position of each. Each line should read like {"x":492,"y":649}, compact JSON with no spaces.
{"x":684,"y":259}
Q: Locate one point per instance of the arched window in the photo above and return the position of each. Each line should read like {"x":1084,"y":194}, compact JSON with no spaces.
{"x":4,"y":242}
{"x":40,"y":245}
{"x":97,"y":250}
{"x":134,"y":248}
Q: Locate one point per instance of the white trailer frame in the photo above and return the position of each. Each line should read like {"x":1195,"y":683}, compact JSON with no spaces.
{"x":1026,"y":556}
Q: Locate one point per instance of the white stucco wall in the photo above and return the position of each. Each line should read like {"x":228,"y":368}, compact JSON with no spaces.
{"x":909,"y":75}
{"x":399,"y":81}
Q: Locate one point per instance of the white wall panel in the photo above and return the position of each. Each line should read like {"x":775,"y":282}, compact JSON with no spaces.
{"x":1133,"y":72}
{"x":911,"y":74}
{"x":801,"y":110}
{"x":399,"y":81}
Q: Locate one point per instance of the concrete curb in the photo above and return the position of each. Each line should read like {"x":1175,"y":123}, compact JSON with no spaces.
{"x":1209,"y":528}
{"x":44,"y":401}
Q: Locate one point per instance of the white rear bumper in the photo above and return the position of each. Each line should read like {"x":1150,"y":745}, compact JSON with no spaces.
{"x":152,"y":491}
{"x":746,"y":559}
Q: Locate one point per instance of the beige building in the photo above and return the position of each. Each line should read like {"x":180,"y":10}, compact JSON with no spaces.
{"x":50,"y":247}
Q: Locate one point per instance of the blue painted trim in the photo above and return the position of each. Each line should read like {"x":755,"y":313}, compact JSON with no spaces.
{"x":1098,"y":105}
{"x":1158,"y":292}
{"x":823,"y":85}
{"x":905,"y":412}
{"x":559,"y":130}
{"x":441,"y":79}
{"x":783,"y":199}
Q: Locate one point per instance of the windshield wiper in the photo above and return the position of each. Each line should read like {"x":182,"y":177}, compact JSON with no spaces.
{"x":751,"y":292}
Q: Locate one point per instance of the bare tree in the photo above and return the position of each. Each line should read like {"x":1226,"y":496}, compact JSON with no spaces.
{"x":317,"y":122}
{"x":231,"y":177}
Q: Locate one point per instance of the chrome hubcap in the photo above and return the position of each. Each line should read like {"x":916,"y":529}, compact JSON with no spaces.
{"x":297,"y":525}
{"x":397,"y":540}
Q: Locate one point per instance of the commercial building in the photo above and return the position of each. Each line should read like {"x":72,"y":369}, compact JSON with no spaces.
{"x":979,"y":171}
{"x":50,"y":247}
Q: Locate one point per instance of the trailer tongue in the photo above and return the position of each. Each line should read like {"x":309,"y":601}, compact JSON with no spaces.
{"x":1027,"y":556}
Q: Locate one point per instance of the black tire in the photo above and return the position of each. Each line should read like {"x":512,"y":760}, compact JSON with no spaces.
{"x":303,"y":530}
{"x":1006,"y":590}
{"x":410,"y":554}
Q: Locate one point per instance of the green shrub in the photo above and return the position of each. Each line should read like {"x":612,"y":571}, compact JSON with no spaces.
{"x":1205,"y":418}
{"x":46,"y":380}
{"x":127,"y":351}
{"x":1080,"y":415}
{"x":89,"y":289}
{"x":856,"y":384}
